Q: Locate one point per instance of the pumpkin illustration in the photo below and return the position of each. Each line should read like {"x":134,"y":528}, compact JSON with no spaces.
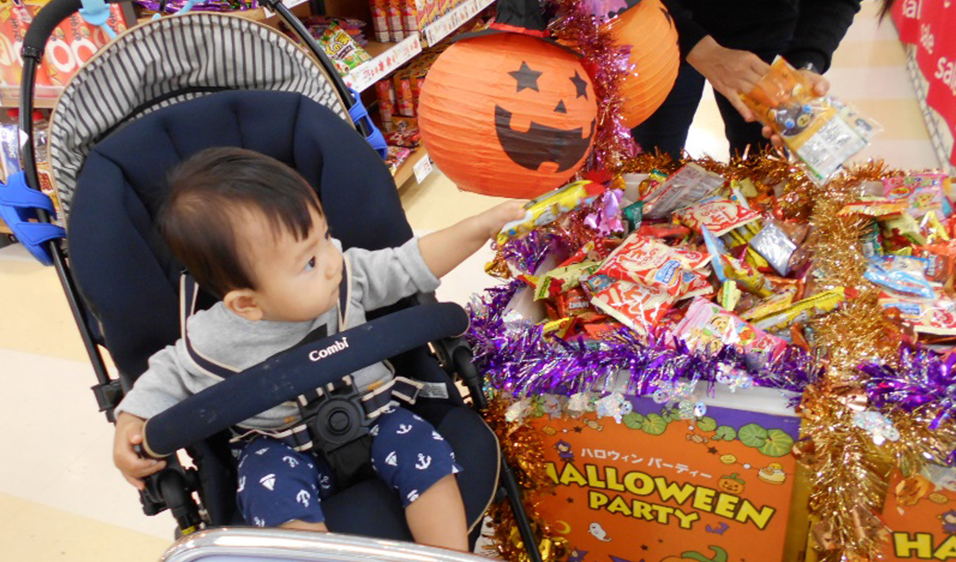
{"x":649,"y":30}
{"x":720,"y":555}
{"x":910,"y":491}
{"x":732,"y":484}
{"x":507,"y":114}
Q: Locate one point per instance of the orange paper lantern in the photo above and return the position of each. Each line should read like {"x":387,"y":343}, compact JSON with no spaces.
{"x":507,"y":114}
{"x":649,"y":30}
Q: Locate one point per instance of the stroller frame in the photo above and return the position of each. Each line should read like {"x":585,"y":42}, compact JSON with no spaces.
{"x":172,"y":488}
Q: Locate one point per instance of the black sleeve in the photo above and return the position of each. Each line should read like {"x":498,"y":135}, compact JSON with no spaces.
{"x":689,"y":33}
{"x":821,"y":27}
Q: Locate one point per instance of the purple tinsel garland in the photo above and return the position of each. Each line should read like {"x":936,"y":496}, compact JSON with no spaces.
{"x":518,"y":358}
{"x":173,"y":6}
{"x":923,"y":378}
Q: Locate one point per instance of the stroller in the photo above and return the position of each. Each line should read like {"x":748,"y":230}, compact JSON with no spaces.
{"x":157,"y":94}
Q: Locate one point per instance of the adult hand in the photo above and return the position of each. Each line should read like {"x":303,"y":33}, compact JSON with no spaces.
{"x":730,"y":71}
{"x":820,"y":87}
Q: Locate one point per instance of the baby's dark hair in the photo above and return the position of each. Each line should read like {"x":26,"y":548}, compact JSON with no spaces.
{"x":211,"y":193}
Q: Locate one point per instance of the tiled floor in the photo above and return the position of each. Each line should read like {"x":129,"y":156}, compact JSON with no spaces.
{"x":61,"y":498}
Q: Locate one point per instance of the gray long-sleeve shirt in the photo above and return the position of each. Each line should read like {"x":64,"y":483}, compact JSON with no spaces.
{"x":376,"y":279}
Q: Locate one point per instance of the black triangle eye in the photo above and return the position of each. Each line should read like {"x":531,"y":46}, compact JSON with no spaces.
{"x":561,"y":108}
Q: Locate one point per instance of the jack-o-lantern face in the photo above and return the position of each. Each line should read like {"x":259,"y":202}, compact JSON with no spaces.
{"x":566,"y":147}
{"x":507,"y":114}
{"x":732,"y":484}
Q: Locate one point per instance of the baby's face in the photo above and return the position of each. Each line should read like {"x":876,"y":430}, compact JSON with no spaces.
{"x":298,"y":280}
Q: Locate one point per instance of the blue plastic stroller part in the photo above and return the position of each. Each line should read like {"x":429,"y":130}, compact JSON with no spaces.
{"x":375,"y":138}
{"x":96,"y":12}
{"x":18,"y":207}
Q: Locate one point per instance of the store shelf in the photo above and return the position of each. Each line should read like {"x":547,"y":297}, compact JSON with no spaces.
{"x":388,"y":57}
{"x":38,"y":103}
{"x":448,"y":23}
{"x":406,"y":171}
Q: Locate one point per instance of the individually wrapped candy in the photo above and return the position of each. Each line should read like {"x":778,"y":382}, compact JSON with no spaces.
{"x":563,"y":279}
{"x":904,"y":275}
{"x":546,"y":208}
{"x":652,"y":263}
{"x":940,"y":261}
{"x":775,"y":247}
{"x":689,"y":184}
{"x":802,"y":311}
{"x":874,"y":207}
{"x":922,"y":192}
{"x":746,"y":276}
{"x":636,"y":306}
{"x":706,"y":323}
{"x":927,"y":317}
{"x":720,"y":216}
{"x":634,"y":214}
{"x":770,"y":305}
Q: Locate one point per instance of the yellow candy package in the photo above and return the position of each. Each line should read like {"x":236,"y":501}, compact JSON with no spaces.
{"x":546,"y":208}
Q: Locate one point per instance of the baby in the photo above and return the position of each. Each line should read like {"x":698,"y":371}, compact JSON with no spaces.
{"x":252,"y":232}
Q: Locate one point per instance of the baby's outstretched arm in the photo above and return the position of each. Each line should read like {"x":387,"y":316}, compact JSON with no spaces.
{"x":129,"y":433}
{"x":445,"y":249}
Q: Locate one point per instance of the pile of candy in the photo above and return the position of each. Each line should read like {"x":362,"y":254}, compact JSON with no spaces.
{"x":711,"y":263}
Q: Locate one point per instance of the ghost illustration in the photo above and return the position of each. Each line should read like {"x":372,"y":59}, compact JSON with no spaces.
{"x":598,"y":531}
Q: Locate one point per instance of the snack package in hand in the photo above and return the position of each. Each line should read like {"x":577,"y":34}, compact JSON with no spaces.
{"x":546,"y":208}
{"x":822,"y":132}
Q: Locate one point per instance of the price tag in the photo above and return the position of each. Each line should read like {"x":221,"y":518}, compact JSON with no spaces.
{"x":422,"y":168}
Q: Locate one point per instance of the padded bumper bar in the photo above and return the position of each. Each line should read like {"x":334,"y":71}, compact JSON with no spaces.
{"x":285,"y":376}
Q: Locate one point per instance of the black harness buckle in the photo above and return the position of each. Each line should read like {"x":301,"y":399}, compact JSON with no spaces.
{"x":336,"y":418}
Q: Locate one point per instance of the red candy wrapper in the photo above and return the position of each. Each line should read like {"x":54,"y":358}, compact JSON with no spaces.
{"x":652,"y":263}
{"x":720,"y":216}
{"x":633,"y":305}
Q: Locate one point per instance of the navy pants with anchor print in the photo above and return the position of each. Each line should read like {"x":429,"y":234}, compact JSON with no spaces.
{"x":278,"y":484}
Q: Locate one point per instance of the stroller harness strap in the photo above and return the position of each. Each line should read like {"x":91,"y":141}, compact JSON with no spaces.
{"x":333,"y":415}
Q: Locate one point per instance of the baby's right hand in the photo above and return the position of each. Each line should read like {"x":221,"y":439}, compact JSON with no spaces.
{"x":129,"y":433}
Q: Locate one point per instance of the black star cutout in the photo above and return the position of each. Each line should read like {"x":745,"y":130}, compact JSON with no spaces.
{"x":526,"y":77}
{"x":712,"y":450}
{"x":570,"y":500}
{"x":578,"y":429}
{"x":643,"y":547}
{"x":581,"y":85}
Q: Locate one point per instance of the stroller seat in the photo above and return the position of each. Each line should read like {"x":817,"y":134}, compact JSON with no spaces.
{"x":129,"y":280}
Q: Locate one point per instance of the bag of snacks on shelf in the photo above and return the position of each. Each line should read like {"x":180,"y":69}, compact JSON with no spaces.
{"x":344,"y":52}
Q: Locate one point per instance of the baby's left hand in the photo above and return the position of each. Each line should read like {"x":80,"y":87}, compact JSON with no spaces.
{"x":494,"y":219}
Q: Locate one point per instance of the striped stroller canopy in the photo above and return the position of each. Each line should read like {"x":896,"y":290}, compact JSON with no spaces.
{"x":167,"y":61}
